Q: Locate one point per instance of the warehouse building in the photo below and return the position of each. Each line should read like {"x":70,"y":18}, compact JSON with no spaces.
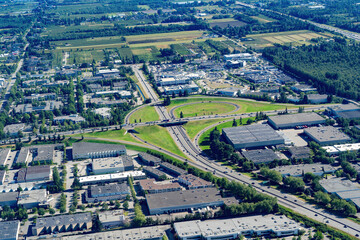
{"x":347,"y":111}
{"x":260,"y":225}
{"x":251,"y":136}
{"x":112,"y":219}
{"x":9,"y":230}
{"x":154,"y":173}
{"x":193,"y":182}
{"x":186,"y":200}
{"x":62,"y":223}
{"x":293,"y":120}
{"x":33,"y":198}
{"x":107,"y":192}
{"x":173,"y":169}
{"x":300,"y":170}
{"x":326,"y":135}
{"x":8,"y":199}
{"x":337,"y":149}
{"x":38,"y":173}
{"x":2,"y":176}
{"x":300,"y":152}
{"x":149,"y":159}
{"x":4,"y":154}
{"x":260,"y":155}
{"x":112,"y":164}
{"x":337,"y":185}
{"x":83,"y":150}
{"x":151,"y":187}
{"x":113,"y":177}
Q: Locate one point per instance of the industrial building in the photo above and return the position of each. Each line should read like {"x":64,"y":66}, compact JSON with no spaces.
{"x":154,"y":173}
{"x":173,"y":169}
{"x":112,"y":164}
{"x":193,"y":182}
{"x":299,"y":170}
{"x":327,"y":135}
{"x":300,"y":152}
{"x":186,"y":200}
{"x":8,"y":199}
{"x":149,"y":159}
{"x":113,"y":177}
{"x":33,"y":198}
{"x":251,"y":136}
{"x":317,"y":98}
{"x":83,"y":150}
{"x":261,"y":225}
{"x":145,"y":233}
{"x":258,"y":156}
{"x":9,"y":230}
{"x":2,"y":176}
{"x":337,"y":149}
{"x":112,"y":219}
{"x":229,"y":92}
{"x":293,"y":120}
{"x":240,"y":57}
{"x":4,"y":154}
{"x":151,"y":187}
{"x":303,"y":88}
{"x":40,"y":153}
{"x":62,"y":223}
{"x":35,"y":173}
{"x":347,"y":111}
{"x":107,"y":192}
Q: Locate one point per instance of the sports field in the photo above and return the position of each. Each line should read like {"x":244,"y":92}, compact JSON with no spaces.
{"x":200,"y":109}
{"x":145,"y":114}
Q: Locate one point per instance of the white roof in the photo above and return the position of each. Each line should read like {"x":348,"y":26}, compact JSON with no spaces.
{"x":108,"y":177}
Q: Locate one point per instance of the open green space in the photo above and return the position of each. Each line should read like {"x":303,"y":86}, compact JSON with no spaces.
{"x":200,"y":109}
{"x":145,"y":114}
{"x":113,"y":134}
{"x":160,"y":137}
{"x":194,"y":127}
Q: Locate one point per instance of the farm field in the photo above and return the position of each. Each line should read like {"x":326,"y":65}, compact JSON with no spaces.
{"x":160,"y":137}
{"x":200,"y":109}
{"x":223,"y":23}
{"x":297,"y":37}
{"x":263,"y":19}
{"x":146,"y":114}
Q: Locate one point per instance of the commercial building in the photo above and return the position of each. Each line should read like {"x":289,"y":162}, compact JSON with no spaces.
{"x":2,"y":176}
{"x":151,"y":187}
{"x":105,"y":112}
{"x":145,"y":233}
{"x":347,"y":111}
{"x":260,"y":155}
{"x":8,"y":199}
{"x":4,"y":154}
{"x":154,"y":173}
{"x":62,"y":223}
{"x":74,"y":118}
{"x":40,"y":153}
{"x":300,"y":170}
{"x":14,"y":129}
{"x":228,"y":92}
{"x":300,"y":152}
{"x":107,"y":193}
{"x":149,"y":159}
{"x":173,"y":81}
{"x":240,"y":57}
{"x":9,"y":230}
{"x":317,"y":98}
{"x":327,"y":135}
{"x":112,"y":164}
{"x":232,"y":228}
{"x":251,"y":136}
{"x":193,"y":182}
{"x":293,"y":120}
{"x":177,"y":89}
{"x":96,"y":150}
{"x":337,"y":185}
{"x":303,"y":88}
{"x":185,"y":200}
{"x":33,"y":198}
{"x":173,"y":169}
{"x":38,"y":173}
{"x":112,"y":219}
{"x":337,"y":149}
{"x":114,"y":177}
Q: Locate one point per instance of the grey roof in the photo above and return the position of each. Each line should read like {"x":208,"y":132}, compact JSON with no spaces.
{"x":349,"y":114}
{"x":8,"y":196}
{"x":251,"y":134}
{"x":326,"y":134}
{"x":127,"y":161}
{"x":183,"y":198}
{"x":63,"y":220}
{"x":296,"y":119}
{"x":153,"y":171}
{"x":300,"y":152}
{"x":4,"y":153}
{"x":260,"y":155}
{"x":336,"y":185}
{"x":109,"y":189}
{"x":2,"y":175}
{"x":33,"y":196}
{"x":316,"y":96}
{"x":173,"y":169}
{"x":14,"y":128}
{"x":297,"y":170}
{"x":44,"y":152}
{"x":9,"y":230}
{"x":149,"y":158}
{"x":349,"y":195}
{"x":86,"y":147}
{"x":23,"y":155}
{"x":344,"y":107}
{"x":38,"y":172}
{"x":21,"y":175}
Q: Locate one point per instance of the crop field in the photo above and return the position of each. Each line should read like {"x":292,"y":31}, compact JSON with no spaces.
{"x":224,"y":24}
{"x":17,"y":7}
{"x":263,"y":19}
{"x":200,"y":109}
{"x":180,"y":49}
{"x":297,"y":37}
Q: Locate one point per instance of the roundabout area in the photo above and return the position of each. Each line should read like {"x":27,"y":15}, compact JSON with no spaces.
{"x":204,"y":108}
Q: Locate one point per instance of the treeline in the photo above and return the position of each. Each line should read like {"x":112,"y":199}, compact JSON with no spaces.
{"x":332,"y":67}
{"x":14,"y":24}
{"x":124,"y":31}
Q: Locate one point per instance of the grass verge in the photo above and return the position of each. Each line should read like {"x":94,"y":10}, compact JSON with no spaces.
{"x":199,"y":109}
{"x":113,"y":134}
{"x":145,"y":114}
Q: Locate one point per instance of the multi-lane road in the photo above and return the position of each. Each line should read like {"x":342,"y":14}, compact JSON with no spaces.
{"x":203,"y":162}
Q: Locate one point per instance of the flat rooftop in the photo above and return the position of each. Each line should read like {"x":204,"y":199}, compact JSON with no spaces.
{"x":349,"y":195}
{"x":326,"y":134}
{"x":81,"y":148}
{"x":151,"y":184}
{"x":38,"y":195}
{"x":9,"y":230}
{"x":336,"y":185}
{"x":110,"y":189}
{"x":260,"y":155}
{"x":60,"y":220}
{"x":300,"y":118}
{"x":296,"y":170}
{"x":111,"y":177}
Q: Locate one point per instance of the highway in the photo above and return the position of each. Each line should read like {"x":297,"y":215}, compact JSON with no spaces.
{"x":203,"y":162}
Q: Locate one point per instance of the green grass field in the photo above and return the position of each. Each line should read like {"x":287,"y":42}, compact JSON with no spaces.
{"x":160,"y":137}
{"x":200,"y":109}
{"x":145,"y":114}
{"x":114,"y":134}
{"x":194,"y":127}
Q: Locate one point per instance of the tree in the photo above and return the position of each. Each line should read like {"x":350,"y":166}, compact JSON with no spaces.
{"x":318,"y":235}
{"x":322,"y":198}
{"x":181,"y":114}
{"x":96,"y":225}
{"x":126,"y":205}
{"x":139,"y":219}
{"x":51,"y":211}
{"x":234,"y":124}
{"x":167,"y":101}
{"x":41,"y":211}
{"x":294,"y":184}
{"x":117,"y":204}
